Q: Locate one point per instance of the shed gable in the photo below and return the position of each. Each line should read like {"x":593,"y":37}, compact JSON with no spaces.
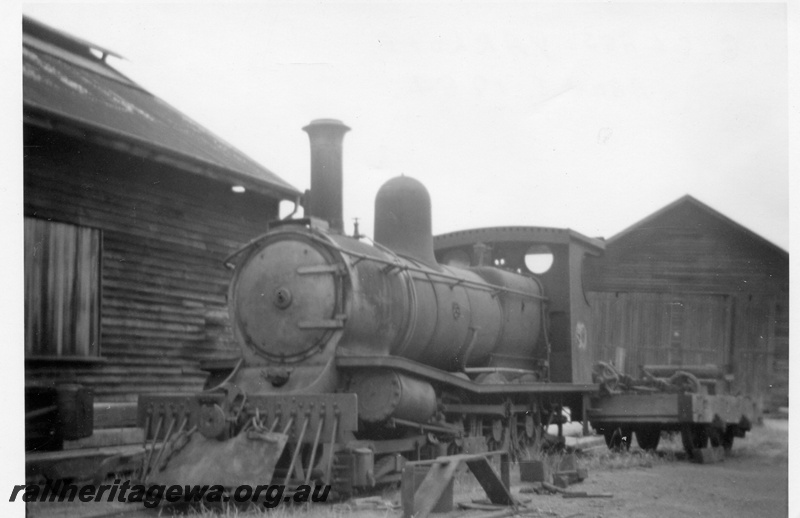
{"x":688,"y":285}
{"x":688,"y":248}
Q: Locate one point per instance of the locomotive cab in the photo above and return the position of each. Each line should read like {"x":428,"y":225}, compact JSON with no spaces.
{"x":520,"y":249}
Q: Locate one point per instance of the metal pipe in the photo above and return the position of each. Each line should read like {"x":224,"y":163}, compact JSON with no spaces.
{"x":405,"y":267}
{"x":147,"y":423}
{"x":297,"y":447}
{"x":701,"y":371}
{"x":152,"y":447}
{"x":510,"y":370}
{"x":288,"y":425}
{"x":294,"y":211}
{"x":314,"y":448}
{"x":325,"y":137}
{"x":183,"y":425}
{"x":167,"y":437}
{"x":229,"y":377}
{"x":333,"y":446}
{"x":429,"y":427}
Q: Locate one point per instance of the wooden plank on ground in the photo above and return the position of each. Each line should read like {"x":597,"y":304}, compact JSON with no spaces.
{"x":432,"y":487}
{"x":497,"y":492}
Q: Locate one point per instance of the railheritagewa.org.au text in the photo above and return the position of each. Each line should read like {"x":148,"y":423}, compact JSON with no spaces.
{"x":152,"y":495}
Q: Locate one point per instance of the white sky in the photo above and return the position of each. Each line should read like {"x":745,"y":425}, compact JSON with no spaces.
{"x":582,"y":115}
{"x":588,"y":116}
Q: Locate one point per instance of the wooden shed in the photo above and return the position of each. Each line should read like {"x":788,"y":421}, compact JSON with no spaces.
{"x":129,"y":213}
{"x":688,"y":285}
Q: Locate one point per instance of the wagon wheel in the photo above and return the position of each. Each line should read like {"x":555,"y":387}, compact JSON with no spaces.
{"x":726,"y":438}
{"x":694,"y":437}
{"x":528,"y":436}
{"x":497,"y":430}
{"x":714,"y":436}
{"x":495,"y":440}
{"x":617,"y":438}
{"x":533,"y":432}
{"x":530,"y":427}
{"x":648,"y":438}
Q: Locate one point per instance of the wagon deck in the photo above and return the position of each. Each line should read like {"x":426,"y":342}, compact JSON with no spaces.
{"x":668,"y":410}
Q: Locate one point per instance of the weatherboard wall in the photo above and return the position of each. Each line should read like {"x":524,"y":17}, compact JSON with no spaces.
{"x":164,"y":236}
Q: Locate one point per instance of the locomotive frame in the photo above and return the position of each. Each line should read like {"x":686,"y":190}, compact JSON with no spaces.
{"x":357,"y":357}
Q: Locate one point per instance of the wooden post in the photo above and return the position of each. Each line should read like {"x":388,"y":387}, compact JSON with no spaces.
{"x":584,"y":415}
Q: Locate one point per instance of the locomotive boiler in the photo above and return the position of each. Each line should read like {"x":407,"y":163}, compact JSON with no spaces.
{"x":357,"y":355}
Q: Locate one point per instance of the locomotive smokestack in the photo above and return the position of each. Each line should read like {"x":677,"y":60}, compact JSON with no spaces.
{"x":325,"y":136}
{"x":403,"y":219}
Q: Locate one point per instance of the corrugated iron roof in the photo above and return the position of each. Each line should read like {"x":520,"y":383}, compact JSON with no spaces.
{"x":62,"y":79}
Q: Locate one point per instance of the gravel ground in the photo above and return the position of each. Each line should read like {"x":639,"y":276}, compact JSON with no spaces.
{"x":751,"y":482}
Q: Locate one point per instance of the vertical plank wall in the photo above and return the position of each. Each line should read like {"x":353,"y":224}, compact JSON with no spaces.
{"x":658,"y":328}
{"x":62,"y":283}
{"x":691,"y":287}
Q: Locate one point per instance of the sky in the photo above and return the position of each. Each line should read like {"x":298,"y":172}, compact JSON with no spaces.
{"x":588,"y":116}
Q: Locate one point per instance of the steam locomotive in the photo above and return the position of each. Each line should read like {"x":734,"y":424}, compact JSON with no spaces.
{"x":358,"y":356}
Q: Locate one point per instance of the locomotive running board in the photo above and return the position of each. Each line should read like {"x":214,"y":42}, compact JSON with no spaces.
{"x":439,"y":376}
